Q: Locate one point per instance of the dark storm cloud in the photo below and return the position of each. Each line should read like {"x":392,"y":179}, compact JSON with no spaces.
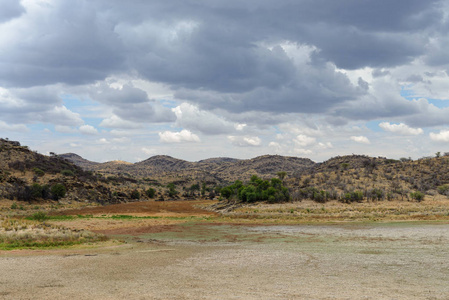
{"x":314,"y":89}
{"x":219,"y":54}
{"x":67,"y":42}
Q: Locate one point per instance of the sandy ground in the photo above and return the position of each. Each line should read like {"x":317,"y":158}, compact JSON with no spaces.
{"x":207,"y":261}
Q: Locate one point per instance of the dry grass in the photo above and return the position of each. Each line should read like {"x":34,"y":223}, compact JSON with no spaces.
{"x":22,"y":233}
{"x":436,"y":208}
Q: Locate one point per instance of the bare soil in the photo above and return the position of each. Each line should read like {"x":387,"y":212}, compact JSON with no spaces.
{"x":166,"y":258}
{"x":150,"y":208}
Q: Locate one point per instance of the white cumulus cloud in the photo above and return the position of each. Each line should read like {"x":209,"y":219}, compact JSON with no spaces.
{"x":442,"y":136}
{"x":178,"y":137}
{"x":360,"y":139}
{"x":303,"y":140}
{"x":245,"y":141}
{"x":400,"y":128}
{"x":88,"y":130}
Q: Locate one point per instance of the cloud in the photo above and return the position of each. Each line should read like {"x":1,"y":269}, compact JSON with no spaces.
{"x":16,"y":128}
{"x":65,"y":129}
{"x":116,"y":122}
{"x":88,"y":130}
{"x":304,"y":140}
{"x":245,"y":141}
{"x":191,"y":117}
{"x":225,"y":68}
{"x":400,"y":128}
{"x":10,"y":9}
{"x":442,"y":136}
{"x":131,"y":104}
{"x":178,"y":137}
{"x":149,"y":151}
{"x":60,"y":115}
{"x":360,"y":139}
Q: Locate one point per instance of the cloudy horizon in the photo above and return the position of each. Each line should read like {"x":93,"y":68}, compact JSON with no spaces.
{"x":114,"y":80}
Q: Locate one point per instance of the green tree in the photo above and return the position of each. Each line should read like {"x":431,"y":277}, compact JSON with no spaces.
{"x":135,"y":194}
{"x":172,"y":189}
{"x":151,"y":193}
{"x":418,"y":196}
{"x":58,"y":191}
{"x":67,"y":173}
{"x":36,"y":191}
{"x":281,"y":175}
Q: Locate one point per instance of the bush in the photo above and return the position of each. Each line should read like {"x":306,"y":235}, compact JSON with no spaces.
{"x":135,"y":195}
{"x":257,"y":190}
{"x":67,"y":173}
{"x":418,"y":196}
{"x":39,"y":216}
{"x":151,"y":193}
{"x":443,"y":189}
{"x":38,"y":172}
{"x":36,"y":191}
{"x":58,"y":191}
{"x":172,"y":190}
{"x":354,"y":196}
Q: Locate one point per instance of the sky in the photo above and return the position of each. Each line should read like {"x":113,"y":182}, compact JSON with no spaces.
{"x":194,"y":79}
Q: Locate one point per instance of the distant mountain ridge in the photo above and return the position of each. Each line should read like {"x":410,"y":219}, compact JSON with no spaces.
{"x":219,"y":169}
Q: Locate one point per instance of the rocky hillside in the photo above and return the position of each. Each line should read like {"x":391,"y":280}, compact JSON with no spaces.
{"x":26,"y":175}
{"x":30,"y":176}
{"x":216,"y":171}
{"x":357,"y":177}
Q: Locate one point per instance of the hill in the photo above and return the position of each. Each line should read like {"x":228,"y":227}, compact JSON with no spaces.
{"x":79,"y":161}
{"x":26,"y":175}
{"x":215,"y":171}
{"x":30,"y":176}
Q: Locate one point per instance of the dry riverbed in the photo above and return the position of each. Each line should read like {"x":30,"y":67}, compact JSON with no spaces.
{"x":201,"y":258}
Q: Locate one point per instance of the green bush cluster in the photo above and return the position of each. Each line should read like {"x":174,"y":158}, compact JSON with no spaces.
{"x":418,"y":196}
{"x":443,"y":189}
{"x":37,"y":191}
{"x":353,"y":196}
{"x":317,"y":195}
{"x":257,"y":190}
{"x":151,"y":193}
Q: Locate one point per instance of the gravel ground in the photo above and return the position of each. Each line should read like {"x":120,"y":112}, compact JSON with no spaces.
{"x":380,"y":261}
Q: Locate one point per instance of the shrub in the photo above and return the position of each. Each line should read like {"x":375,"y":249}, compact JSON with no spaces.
{"x":36,"y":191}
{"x":353,"y":196}
{"x":257,"y":190}
{"x":443,"y":189}
{"x":58,"y":191}
{"x":172,"y":189}
{"x":418,"y":196}
{"x":135,"y":195}
{"x":38,"y":172}
{"x":39,"y":216}
{"x":151,"y":193}
{"x":67,"y":173}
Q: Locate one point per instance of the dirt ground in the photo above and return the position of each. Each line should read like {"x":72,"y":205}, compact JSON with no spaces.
{"x":150,"y":208}
{"x":204,"y":260}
